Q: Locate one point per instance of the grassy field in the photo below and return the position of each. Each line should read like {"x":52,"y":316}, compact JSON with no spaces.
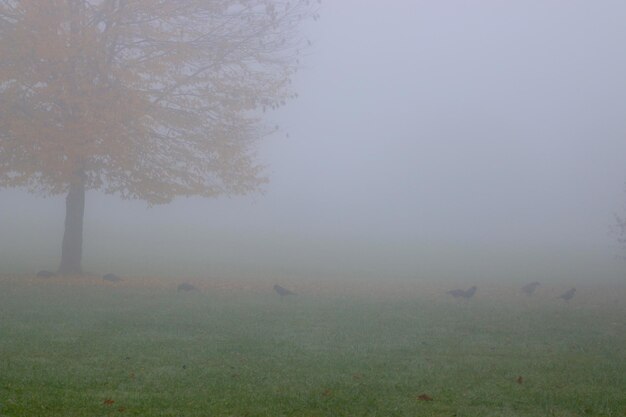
{"x":82,"y":347}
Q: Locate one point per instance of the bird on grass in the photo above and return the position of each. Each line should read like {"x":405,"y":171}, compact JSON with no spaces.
{"x":529,"y":289}
{"x":282,"y":291}
{"x":46,"y":274}
{"x":185,"y":286}
{"x":463,"y":293}
{"x":568,"y":295}
{"x":111,"y":278}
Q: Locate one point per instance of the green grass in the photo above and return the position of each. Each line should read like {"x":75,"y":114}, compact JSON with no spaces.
{"x":65,"y":349}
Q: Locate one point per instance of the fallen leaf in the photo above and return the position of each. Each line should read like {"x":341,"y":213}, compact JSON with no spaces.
{"x":519,"y":379}
{"x":424,"y":397}
{"x":327,"y":393}
{"x":108,"y":401}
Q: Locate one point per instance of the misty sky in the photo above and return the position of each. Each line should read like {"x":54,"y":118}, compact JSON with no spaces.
{"x":489,"y":125}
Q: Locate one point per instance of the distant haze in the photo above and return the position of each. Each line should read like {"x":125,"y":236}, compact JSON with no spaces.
{"x":430,"y":140}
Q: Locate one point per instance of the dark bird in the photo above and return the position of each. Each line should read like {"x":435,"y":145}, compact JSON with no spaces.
{"x":529,"y":289}
{"x":111,"y":278}
{"x":283,"y":291}
{"x":185,"y":286}
{"x":46,"y":274}
{"x":568,"y":295}
{"x":456,"y":293}
{"x":463,"y":293}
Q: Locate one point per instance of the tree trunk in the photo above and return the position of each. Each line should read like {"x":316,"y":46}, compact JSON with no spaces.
{"x":72,"y":250}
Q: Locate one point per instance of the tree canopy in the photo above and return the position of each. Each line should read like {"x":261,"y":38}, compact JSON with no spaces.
{"x":148,"y":99}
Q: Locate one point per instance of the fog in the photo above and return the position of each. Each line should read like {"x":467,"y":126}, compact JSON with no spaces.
{"x":440,"y":140}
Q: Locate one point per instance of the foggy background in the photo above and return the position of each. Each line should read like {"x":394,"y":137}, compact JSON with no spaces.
{"x":430,"y":140}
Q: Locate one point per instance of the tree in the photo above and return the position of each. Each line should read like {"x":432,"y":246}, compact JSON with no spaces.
{"x":618,"y":230}
{"x":147,"y":99}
